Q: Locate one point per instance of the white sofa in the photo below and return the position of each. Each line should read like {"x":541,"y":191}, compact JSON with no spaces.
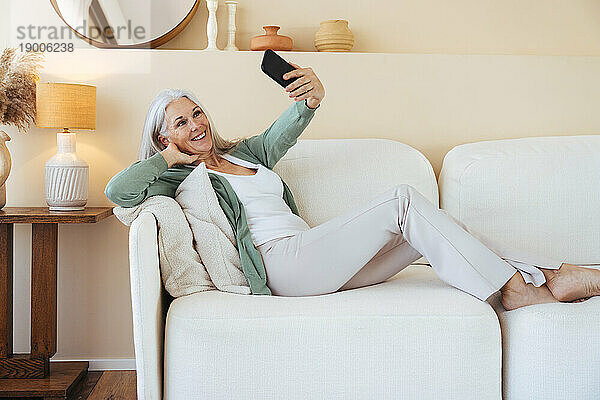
{"x":540,"y":194}
{"x":412,"y":337}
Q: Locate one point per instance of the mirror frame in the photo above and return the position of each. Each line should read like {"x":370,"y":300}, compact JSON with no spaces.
{"x":153,"y":43}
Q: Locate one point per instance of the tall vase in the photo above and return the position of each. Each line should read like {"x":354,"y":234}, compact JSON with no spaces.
{"x":231,"y":6}
{"x":4,"y":166}
{"x":211,"y":25}
{"x":334,"y":35}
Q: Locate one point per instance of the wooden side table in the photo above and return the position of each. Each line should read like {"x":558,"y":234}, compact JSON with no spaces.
{"x":33,"y":375}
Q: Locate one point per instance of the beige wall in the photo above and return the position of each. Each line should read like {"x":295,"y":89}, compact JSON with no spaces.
{"x":429,"y":101}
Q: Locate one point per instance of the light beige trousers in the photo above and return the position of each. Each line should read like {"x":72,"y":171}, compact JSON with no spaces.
{"x":377,"y":240}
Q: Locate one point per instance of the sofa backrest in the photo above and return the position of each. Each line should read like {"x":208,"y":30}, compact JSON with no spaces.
{"x":331,"y":176}
{"x":540,"y":194}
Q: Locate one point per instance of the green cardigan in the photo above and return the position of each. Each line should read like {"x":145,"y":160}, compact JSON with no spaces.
{"x":151,"y":177}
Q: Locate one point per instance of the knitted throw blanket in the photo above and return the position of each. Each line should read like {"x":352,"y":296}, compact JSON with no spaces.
{"x":196,"y":244}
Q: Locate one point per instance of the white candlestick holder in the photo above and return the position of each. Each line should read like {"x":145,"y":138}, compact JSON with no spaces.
{"x":231,"y":6}
{"x":211,"y":25}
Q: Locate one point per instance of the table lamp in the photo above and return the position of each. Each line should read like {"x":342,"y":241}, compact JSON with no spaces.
{"x":66,"y":106}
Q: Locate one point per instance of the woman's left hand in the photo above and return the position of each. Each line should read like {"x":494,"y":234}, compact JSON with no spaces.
{"x":307,"y":86}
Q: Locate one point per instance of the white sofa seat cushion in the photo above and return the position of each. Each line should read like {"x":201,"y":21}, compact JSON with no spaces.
{"x":413,"y":336}
{"x":553,"y":350}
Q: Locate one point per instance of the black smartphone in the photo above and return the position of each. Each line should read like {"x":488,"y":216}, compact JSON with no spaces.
{"x":275,"y":66}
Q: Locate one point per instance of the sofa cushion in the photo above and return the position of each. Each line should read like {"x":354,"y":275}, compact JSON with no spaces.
{"x":552,"y":350}
{"x":538,"y":194}
{"x":385,"y":341}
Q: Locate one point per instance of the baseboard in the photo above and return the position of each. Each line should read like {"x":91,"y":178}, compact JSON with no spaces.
{"x":106,"y":364}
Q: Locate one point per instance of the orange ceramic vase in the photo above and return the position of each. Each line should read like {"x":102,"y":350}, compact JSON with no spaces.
{"x":271,"y":40}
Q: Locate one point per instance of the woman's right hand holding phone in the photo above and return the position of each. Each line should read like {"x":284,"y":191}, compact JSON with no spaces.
{"x":307,"y":86}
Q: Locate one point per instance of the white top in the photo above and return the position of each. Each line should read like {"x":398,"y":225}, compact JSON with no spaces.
{"x":267,"y":214}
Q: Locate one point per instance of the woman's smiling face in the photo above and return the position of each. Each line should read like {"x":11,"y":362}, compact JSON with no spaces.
{"x":187,"y":126}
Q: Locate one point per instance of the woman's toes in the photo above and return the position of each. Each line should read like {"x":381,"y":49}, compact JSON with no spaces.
{"x":580,"y":300}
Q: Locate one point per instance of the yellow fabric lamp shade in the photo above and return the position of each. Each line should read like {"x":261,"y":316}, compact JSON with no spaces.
{"x":65,"y":105}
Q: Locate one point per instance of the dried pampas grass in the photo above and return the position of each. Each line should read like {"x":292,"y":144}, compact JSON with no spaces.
{"x":18,"y":77}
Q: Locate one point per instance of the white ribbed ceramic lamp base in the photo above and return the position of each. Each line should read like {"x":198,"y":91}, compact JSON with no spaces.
{"x":66,"y":188}
{"x":67,"y":177}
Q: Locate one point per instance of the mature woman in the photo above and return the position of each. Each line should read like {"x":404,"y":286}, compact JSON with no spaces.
{"x":282,"y":255}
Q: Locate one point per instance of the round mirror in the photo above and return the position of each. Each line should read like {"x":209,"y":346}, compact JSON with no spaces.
{"x":126,"y":23}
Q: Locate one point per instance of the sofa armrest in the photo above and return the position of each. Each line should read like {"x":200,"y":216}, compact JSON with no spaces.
{"x":149,"y":302}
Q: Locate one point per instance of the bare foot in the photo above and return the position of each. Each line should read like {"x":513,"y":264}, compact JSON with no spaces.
{"x":516,"y":293}
{"x":571,"y":282}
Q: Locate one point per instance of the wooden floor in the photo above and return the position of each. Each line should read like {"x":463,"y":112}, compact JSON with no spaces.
{"x":103,"y":385}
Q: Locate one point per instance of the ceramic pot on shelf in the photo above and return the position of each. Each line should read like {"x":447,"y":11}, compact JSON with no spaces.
{"x":4,"y":166}
{"x":334,"y":35}
{"x":271,"y":40}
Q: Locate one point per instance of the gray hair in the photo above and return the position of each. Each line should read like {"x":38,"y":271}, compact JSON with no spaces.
{"x":156,"y":124}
